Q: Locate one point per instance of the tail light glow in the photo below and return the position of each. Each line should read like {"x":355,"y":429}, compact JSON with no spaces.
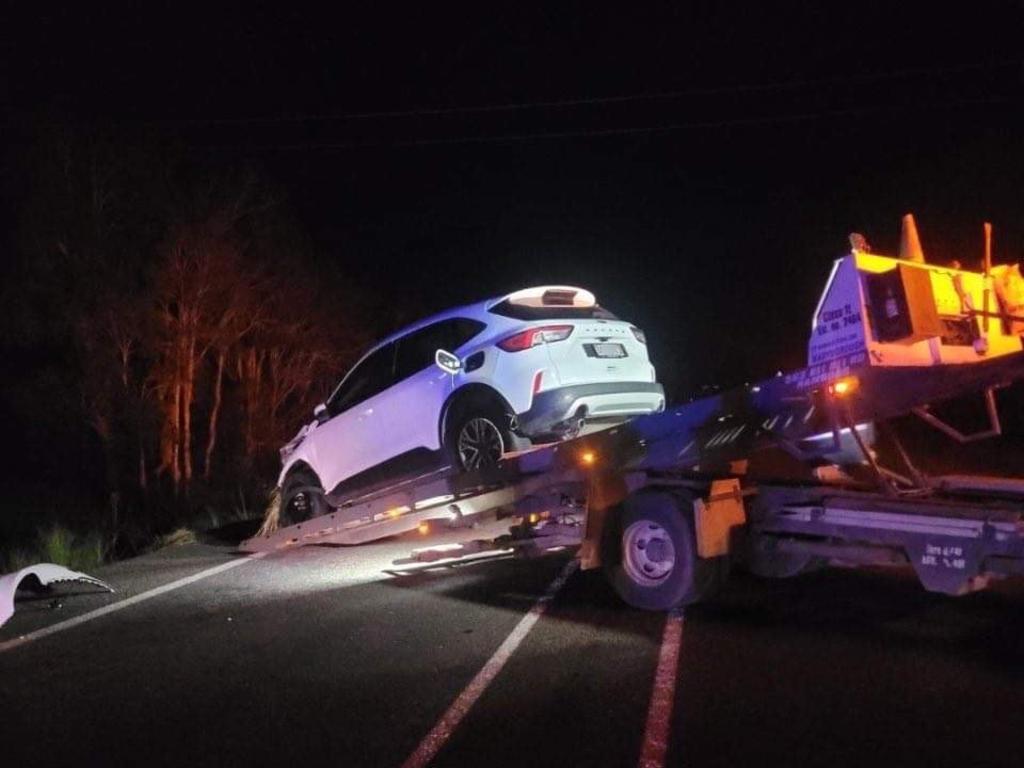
{"x":532,"y":337}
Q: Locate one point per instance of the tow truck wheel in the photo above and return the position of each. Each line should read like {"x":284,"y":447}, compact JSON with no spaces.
{"x":652,"y":554}
{"x":768,"y":563}
{"x":302,"y":498}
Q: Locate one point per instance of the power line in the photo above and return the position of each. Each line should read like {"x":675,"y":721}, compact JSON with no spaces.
{"x":623,"y":131}
{"x":594,"y":101}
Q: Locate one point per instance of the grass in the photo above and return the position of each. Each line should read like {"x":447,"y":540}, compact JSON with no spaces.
{"x":59,"y":545}
{"x":272,"y":516}
{"x":176,"y":537}
{"x":77,"y":534}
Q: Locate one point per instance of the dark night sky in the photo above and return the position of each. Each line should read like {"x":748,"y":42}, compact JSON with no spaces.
{"x":697,"y":164}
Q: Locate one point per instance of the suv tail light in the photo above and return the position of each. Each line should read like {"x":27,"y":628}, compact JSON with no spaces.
{"x":640,"y":335}
{"x":531,"y":337}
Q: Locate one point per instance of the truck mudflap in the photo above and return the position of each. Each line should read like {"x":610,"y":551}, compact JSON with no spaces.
{"x":41,"y":575}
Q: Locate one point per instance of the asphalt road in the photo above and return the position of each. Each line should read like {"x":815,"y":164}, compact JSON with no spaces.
{"x":327,"y":656}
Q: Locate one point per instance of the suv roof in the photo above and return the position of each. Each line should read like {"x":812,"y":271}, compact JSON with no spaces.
{"x":473,"y":310}
{"x":525,"y":303}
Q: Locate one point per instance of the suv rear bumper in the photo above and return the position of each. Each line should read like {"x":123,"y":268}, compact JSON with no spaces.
{"x":554,"y":408}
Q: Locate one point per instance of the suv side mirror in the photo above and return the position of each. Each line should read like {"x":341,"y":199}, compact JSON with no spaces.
{"x":447,"y":362}
{"x":320,"y":414}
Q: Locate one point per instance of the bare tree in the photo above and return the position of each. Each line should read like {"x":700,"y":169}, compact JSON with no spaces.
{"x":180,"y":302}
{"x":208,"y":299}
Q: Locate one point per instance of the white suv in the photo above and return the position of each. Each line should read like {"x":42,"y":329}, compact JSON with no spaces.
{"x":463,"y":387}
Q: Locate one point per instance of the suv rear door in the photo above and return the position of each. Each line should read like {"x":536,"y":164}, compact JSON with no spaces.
{"x":414,"y":410}
{"x":601,"y":348}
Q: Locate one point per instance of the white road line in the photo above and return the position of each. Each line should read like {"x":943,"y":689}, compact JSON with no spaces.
{"x":134,"y":600}
{"x":659,"y":712}
{"x":450,"y":720}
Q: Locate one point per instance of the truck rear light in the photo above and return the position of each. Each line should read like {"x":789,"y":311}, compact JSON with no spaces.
{"x":640,"y":335}
{"x":531,"y":337}
{"x":847,"y":385}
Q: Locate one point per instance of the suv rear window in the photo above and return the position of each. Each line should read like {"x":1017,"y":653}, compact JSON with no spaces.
{"x":551,"y":312}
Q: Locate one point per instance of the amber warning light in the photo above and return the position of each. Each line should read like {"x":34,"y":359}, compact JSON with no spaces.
{"x":843,"y":387}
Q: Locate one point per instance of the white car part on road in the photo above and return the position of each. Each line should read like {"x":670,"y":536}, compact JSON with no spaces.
{"x":46,"y":574}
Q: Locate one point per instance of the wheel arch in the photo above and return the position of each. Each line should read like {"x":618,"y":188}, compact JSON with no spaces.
{"x":299,"y":465}
{"x":467,"y":396}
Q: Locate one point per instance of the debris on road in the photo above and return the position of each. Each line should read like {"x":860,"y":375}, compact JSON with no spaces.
{"x":38,"y":576}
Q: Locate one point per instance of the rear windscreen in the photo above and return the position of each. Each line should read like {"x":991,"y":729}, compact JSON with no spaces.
{"x":524,"y":312}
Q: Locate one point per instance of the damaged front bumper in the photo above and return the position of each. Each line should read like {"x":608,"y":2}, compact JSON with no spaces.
{"x":39,"y":576}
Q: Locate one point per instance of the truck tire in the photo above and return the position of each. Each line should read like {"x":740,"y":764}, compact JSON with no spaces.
{"x":651,"y":554}
{"x":767,"y":563}
{"x":302,"y":498}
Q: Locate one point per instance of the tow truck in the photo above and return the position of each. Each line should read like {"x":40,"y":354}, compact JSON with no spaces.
{"x":779,"y":477}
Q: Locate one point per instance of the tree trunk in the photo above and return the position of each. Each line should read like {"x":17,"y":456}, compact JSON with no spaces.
{"x":252,"y":364}
{"x":169,"y":450}
{"x":211,"y":439}
{"x":188,"y":396}
{"x":143,"y":480}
